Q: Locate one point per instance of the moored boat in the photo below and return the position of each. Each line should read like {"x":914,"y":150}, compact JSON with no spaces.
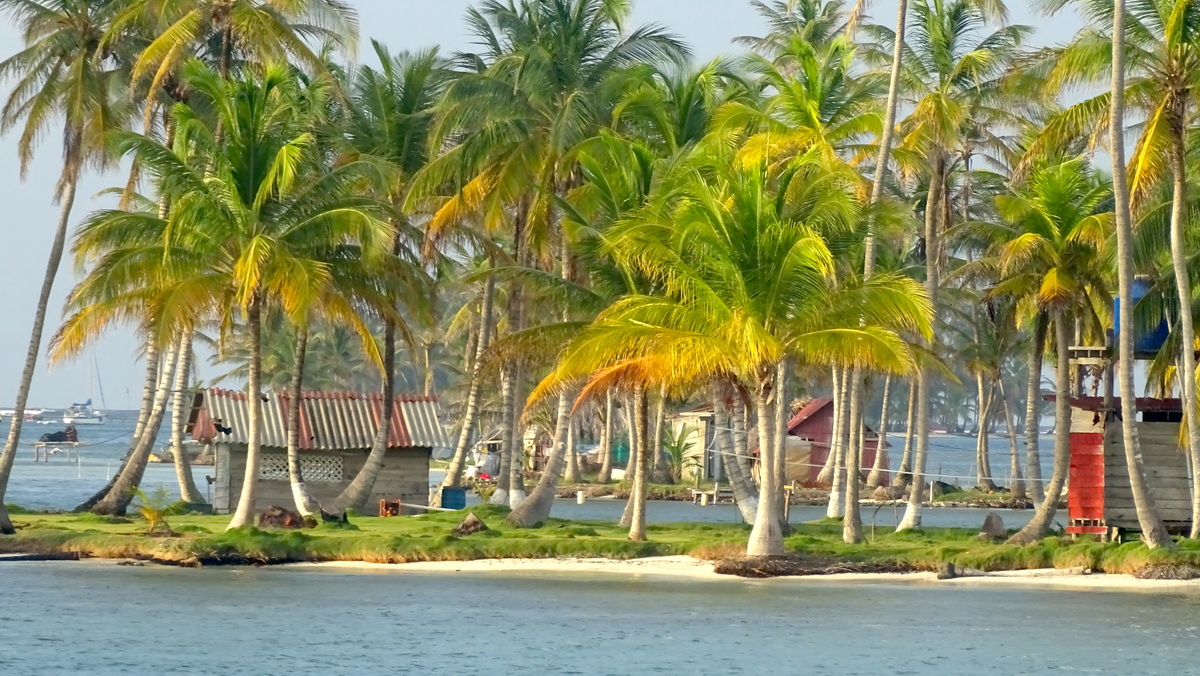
{"x":83,"y":414}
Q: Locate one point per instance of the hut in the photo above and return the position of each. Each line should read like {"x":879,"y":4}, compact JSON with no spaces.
{"x":697,"y":431}
{"x":1099,"y":498}
{"x":810,"y":435}
{"x":337,"y":430}
{"x":1099,"y":495}
{"x":810,"y":432}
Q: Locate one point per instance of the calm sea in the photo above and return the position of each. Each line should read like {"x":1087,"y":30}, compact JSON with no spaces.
{"x":77,"y":618}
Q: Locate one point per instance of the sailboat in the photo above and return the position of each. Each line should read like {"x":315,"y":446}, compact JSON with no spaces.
{"x":84,"y":414}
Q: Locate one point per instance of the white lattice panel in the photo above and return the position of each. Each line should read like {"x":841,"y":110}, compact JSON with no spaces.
{"x":315,"y":468}
{"x":321,"y":468}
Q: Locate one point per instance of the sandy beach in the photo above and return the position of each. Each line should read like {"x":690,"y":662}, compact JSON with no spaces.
{"x":689,"y":568}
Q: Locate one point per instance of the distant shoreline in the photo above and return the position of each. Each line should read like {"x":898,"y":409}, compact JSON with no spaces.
{"x":676,"y":568}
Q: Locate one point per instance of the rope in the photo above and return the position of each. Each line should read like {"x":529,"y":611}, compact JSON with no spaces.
{"x":78,"y":444}
{"x":867,"y":468}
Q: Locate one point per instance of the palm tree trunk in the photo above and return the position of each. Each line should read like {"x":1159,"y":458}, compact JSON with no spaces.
{"x":1042,"y":519}
{"x":188,"y":491}
{"x":454,"y":473}
{"x":1016,"y":482}
{"x":661,"y":472}
{"x":889,"y":118}
{"x":632,"y":468}
{"x":244,"y":514}
{"x":637,"y":525}
{"x":1187,"y":329}
{"x":852,"y":519}
{"x":130,"y":478}
{"x":836,"y":508}
{"x":572,"y":473}
{"x":903,"y":475}
{"x":630,"y":424}
{"x":149,"y":388}
{"x":606,"y":436}
{"x":1033,"y":461}
{"x":875,"y":478}
{"x":67,"y":200}
{"x":1153,"y":532}
{"x":306,"y":504}
{"x":825,"y":476}
{"x":355,"y":495}
{"x":507,"y":433}
{"x":983,"y":464}
{"x":535,"y":508}
{"x":766,"y":537}
{"x":744,"y":491}
{"x":516,"y":479}
{"x":427,"y":388}
{"x":780,"y":442}
{"x":933,"y":210}
{"x":741,"y":441}
{"x":885,"y":138}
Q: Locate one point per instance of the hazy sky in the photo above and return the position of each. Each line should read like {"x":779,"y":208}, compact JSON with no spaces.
{"x":29,"y":215}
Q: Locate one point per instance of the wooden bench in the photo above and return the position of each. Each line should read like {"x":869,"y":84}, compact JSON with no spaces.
{"x":712,"y":496}
{"x":42,"y":450}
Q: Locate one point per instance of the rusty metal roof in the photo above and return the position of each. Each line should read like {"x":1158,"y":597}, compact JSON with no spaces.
{"x":328,"y":420}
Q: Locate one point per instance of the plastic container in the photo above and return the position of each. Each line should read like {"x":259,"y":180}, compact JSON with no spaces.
{"x":454,"y":497}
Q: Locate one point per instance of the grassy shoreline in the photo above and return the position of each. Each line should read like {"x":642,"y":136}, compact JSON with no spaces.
{"x":201,"y":540}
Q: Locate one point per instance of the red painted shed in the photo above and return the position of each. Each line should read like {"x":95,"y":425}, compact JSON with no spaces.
{"x":1099,"y":499}
{"x":811,"y":434}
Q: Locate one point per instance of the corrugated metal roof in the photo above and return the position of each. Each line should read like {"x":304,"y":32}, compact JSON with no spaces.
{"x":328,"y":420}
{"x":809,"y":410}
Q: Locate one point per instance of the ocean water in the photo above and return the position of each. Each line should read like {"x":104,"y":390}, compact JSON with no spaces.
{"x":63,"y":482}
{"x":78,"y":618}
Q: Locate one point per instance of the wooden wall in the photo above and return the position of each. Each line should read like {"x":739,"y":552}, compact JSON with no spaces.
{"x":1166,"y":470}
{"x":404,"y":476}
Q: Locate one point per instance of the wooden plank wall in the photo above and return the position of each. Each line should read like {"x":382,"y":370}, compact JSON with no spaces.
{"x":404,"y":476}
{"x":221,"y":502}
{"x":1165,"y":466}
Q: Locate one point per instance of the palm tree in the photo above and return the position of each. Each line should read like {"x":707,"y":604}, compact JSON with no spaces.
{"x":1165,"y":70}
{"x":955,"y":63}
{"x":60,"y":74}
{"x":536,"y":92}
{"x":391,"y":115}
{"x":220,"y":31}
{"x":814,"y":21}
{"x":707,"y":238}
{"x":1050,"y":258}
{"x":1154,"y":533}
{"x":254,"y":226}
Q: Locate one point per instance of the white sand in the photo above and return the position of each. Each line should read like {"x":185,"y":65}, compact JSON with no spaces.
{"x":686,"y":567}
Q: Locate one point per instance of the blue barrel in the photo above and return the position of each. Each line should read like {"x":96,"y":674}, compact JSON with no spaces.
{"x":454,"y":497}
{"x":1146,"y":341}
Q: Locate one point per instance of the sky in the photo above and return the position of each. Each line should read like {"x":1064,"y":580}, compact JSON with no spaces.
{"x":29,"y":215}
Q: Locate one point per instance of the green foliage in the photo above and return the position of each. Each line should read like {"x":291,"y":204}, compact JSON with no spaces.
{"x":155,"y":508}
{"x":675,"y":447}
{"x":428,"y":538}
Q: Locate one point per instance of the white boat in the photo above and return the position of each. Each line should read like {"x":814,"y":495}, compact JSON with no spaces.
{"x":8,"y":412}
{"x":83,"y":414}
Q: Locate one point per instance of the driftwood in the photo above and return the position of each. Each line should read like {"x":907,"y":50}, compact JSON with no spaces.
{"x":1167,"y":571}
{"x":785,"y":566}
{"x":469,"y":525}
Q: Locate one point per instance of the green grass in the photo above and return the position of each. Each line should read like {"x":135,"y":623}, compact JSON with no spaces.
{"x":428,"y":538}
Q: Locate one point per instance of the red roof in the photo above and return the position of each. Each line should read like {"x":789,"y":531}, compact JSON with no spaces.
{"x":808,"y":410}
